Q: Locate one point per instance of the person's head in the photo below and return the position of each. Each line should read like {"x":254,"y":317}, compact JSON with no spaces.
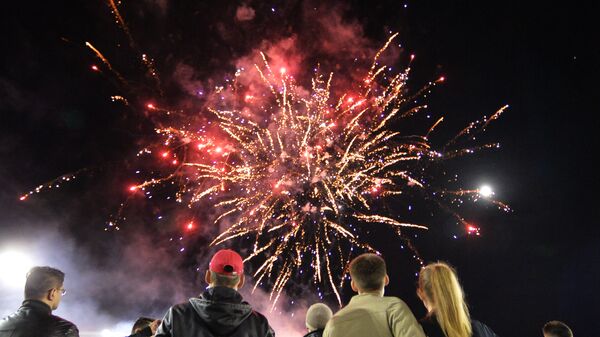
{"x":444,"y":298}
{"x":45,"y":284}
{"x":317,"y":316}
{"x":557,"y":329}
{"x":226,"y":269}
{"x":140,"y":324}
{"x":368,"y":274}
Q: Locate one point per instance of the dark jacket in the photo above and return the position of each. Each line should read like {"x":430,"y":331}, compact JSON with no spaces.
{"x":433,"y":329}
{"x":218,"y":312}
{"x":35,"y":319}
{"x":315,"y":333}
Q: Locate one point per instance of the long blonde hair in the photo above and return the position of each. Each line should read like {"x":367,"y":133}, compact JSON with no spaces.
{"x":441,"y":287}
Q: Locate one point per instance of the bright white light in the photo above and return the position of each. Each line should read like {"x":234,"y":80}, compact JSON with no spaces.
{"x":486,"y":191}
{"x":14,"y":266}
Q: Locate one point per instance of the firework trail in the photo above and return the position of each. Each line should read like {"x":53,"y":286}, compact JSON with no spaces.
{"x":145,"y":59}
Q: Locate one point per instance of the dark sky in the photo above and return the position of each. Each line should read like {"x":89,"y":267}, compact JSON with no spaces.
{"x":538,"y":263}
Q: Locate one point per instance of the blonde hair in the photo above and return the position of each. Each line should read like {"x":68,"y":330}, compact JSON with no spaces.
{"x":440,"y":284}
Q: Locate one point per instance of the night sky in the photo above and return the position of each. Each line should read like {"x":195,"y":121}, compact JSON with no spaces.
{"x":537,"y":263}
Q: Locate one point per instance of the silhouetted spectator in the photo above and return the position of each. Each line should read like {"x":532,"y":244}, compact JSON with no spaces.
{"x":447,"y":311}
{"x":220,"y":310}
{"x":317,"y":317}
{"x":144,"y":327}
{"x":370,"y":314}
{"x":43,"y":292}
{"x":557,"y":329}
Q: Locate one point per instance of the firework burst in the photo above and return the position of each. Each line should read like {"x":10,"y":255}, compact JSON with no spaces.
{"x":296,"y":172}
{"x":300,"y":178}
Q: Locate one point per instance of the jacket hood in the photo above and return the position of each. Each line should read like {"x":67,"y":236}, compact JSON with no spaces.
{"x":222,"y":309}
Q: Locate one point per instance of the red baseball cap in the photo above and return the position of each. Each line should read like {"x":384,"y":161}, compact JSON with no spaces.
{"x":226,"y":262}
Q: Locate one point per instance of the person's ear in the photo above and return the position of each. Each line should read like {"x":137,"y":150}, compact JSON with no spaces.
{"x":207,"y":277}
{"x":353,"y":286}
{"x":241,"y":282}
{"x":51,"y":294}
{"x":387,"y":280}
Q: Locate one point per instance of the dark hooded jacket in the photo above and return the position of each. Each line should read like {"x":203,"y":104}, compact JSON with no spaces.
{"x":35,"y":319}
{"x":218,"y":312}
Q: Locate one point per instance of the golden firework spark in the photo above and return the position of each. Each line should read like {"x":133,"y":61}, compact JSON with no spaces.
{"x":300,"y":180}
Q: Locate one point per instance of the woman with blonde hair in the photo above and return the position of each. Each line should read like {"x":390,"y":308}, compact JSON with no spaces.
{"x":447,"y":311}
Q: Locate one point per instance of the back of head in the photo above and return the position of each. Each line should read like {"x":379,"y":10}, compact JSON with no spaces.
{"x":141,"y":323}
{"x":226,"y":269}
{"x":220,"y":280}
{"x":557,"y":329}
{"x":317,"y":316}
{"x":440,"y":284}
{"x":368,"y":272}
{"x":40,"y":280}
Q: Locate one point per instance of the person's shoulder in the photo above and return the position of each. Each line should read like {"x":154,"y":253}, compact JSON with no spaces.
{"x":8,"y":319}
{"x":393,"y":301}
{"x":63,"y":327}
{"x":61,"y":321}
{"x":261,"y":322}
{"x":481,"y":330}
{"x":182,"y":307}
{"x":258,"y":316}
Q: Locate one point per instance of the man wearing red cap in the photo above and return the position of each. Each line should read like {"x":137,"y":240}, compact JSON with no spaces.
{"x":220,"y":310}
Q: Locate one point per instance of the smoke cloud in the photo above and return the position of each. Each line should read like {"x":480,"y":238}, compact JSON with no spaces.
{"x":105,"y":297}
{"x":244,"y":13}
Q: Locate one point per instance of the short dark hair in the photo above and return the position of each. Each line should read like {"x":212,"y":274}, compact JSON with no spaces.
{"x":40,"y":280}
{"x":141,"y":323}
{"x":557,"y":329}
{"x":229,"y":281}
{"x":368,"y":272}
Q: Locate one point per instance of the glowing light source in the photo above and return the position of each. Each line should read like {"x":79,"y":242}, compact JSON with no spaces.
{"x":473,"y":230}
{"x":14,"y":266}
{"x":485,"y":191}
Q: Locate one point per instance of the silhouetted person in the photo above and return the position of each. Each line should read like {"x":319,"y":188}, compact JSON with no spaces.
{"x":43,"y":292}
{"x":370,"y":314}
{"x":317,"y":317}
{"x":447,"y":311}
{"x":220,"y":310}
{"x":144,"y":327}
{"x":557,"y":329}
